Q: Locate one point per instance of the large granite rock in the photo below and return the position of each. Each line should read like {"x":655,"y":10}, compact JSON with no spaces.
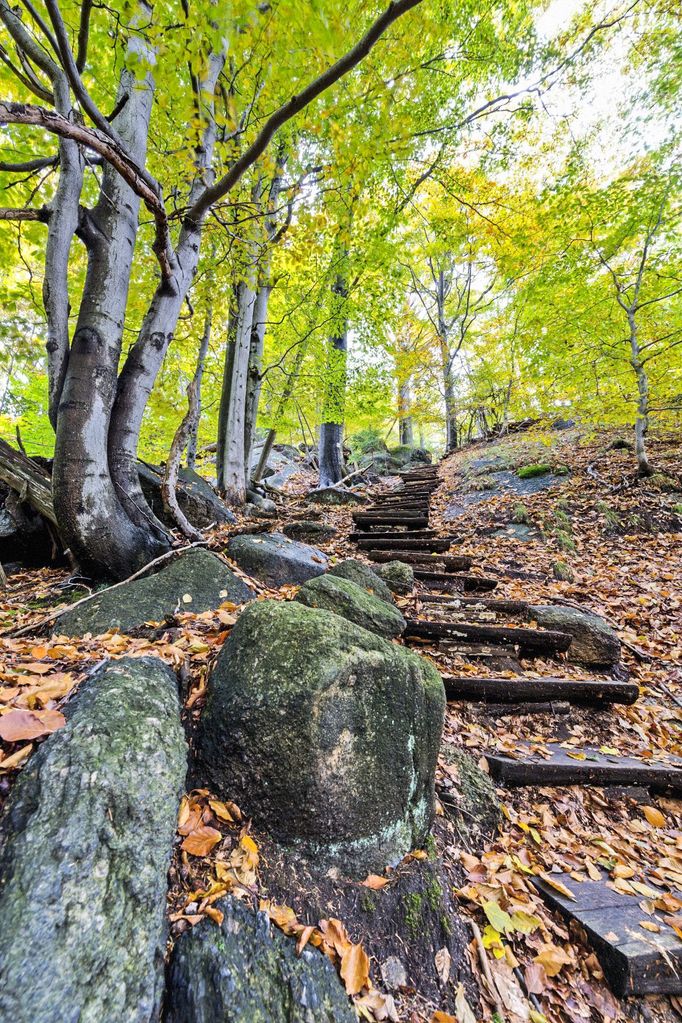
{"x":275,"y":559}
{"x":196,"y":497}
{"x":246,"y":972}
{"x":397,"y":575}
{"x":87,"y":836}
{"x":594,"y":641}
{"x":195,"y":574}
{"x":309,"y":531}
{"x":327,"y":734}
{"x":468,"y":798}
{"x":353,"y":602}
{"x":336,"y":496}
{"x":362,"y":575}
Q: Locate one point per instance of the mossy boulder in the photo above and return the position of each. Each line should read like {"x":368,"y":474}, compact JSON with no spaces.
{"x":594,"y":641}
{"x":244,"y":971}
{"x":275,"y":559}
{"x":529,"y":472}
{"x":195,"y":580}
{"x":407,"y":454}
{"x":335,"y":496}
{"x":353,"y":602}
{"x":309,"y":531}
{"x":398,"y":576}
{"x":468,"y":798}
{"x":362,"y":575}
{"x":87,"y":836}
{"x":325,"y":733}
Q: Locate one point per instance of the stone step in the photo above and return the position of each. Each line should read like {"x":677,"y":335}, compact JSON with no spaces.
{"x":536,"y":642}
{"x":522,"y":689}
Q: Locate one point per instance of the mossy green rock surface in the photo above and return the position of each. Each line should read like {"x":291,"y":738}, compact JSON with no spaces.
{"x":471,"y":801}
{"x":398,"y":576}
{"x":354,"y":603}
{"x":362,"y":575}
{"x":275,"y":559}
{"x":87,"y":836}
{"x":325,"y":733}
{"x":246,"y":972}
{"x":196,"y":573}
{"x":528,"y":472}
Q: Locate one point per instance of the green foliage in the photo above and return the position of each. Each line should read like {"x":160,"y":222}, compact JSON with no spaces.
{"x":528,"y":472}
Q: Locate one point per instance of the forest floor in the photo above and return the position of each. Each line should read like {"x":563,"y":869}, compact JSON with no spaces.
{"x":619,"y":541}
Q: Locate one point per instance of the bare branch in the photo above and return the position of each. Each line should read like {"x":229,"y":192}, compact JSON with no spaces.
{"x":13,"y":213}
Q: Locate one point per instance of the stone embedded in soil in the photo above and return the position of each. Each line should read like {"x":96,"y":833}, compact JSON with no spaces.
{"x":275,"y":559}
{"x":398,"y":576}
{"x":362,"y":575}
{"x":471,"y":802}
{"x":594,"y":641}
{"x":194,"y":573}
{"x":304,"y":715}
{"x":335,"y":496}
{"x":245,"y":971}
{"x":309,"y":531}
{"x":87,"y":835}
{"x":354,"y":603}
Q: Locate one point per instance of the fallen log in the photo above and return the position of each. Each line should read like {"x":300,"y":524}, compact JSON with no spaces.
{"x":31,"y":482}
{"x":522,"y":689}
{"x":530,"y":641}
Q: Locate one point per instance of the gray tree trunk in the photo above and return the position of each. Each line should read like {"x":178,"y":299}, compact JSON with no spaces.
{"x":332,"y":468}
{"x":405,"y":426}
{"x":232,"y":478}
{"x":192,"y":439}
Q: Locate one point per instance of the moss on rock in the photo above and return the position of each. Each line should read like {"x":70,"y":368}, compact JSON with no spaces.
{"x":527,"y":472}
{"x":305,"y":715}
{"x":351,"y":601}
{"x":86,"y":842}
{"x":362,"y":575}
{"x":244,"y":971}
{"x":275,"y":559}
{"x":195,"y":574}
{"x":398,"y":576}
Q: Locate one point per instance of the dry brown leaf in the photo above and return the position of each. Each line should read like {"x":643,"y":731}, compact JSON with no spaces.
{"x":375,"y":882}
{"x":355,"y":969}
{"x":17,"y":725}
{"x":201,"y":841}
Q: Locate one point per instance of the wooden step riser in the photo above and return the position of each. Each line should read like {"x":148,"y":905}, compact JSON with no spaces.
{"x":427,"y":547}
{"x":540,"y":690}
{"x":456,"y":583}
{"x":422,"y":559}
{"x":534,"y":641}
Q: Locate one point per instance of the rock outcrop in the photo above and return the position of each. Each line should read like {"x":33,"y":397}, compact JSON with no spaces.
{"x":354,"y":603}
{"x":594,"y":641}
{"x":398,"y":576}
{"x":87,"y":835}
{"x":275,"y":559}
{"x":244,"y":971}
{"x":327,"y":734}
{"x":362,"y":575}
{"x":195,"y":580}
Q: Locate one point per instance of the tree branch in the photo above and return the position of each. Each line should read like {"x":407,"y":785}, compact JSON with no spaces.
{"x":297,"y":103}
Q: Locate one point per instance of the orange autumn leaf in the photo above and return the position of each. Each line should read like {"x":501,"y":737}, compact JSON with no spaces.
{"x":654,"y":816}
{"x":201,"y":841}
{"x":375,"y":882}
{"x":355,"y":969}
{"x":215,"y":914}
{"x":17,"y":725}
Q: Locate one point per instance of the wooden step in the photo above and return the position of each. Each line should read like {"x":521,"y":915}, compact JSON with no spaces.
{"x":510,"y":607}
{"x":422,"y":559}
{"x":596,"y":769}
{"x":635,"y":961}
{"x":400,"y":542}
{"x":420,"y":506}
{"x":529,"y":641}
{"x":394,"y":534}
{"x":522,"y":689}
{"x":452,"y":581}
{"x":391,"y":519}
